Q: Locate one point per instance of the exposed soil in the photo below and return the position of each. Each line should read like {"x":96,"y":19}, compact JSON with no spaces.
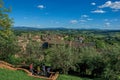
{"x":11,"y":67}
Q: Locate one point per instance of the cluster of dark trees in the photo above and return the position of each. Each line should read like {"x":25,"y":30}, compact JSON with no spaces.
{"x":83,"y":61}
{"x":99,"y":61}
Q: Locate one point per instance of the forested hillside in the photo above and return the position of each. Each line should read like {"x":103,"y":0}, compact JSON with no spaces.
{"x":85,"y":53}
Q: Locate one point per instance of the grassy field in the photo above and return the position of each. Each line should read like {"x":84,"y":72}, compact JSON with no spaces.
{"x":68,"y":77}
{"x":6,"y":74}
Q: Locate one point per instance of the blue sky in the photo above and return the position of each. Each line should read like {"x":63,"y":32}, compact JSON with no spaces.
{"x":88,"y":14}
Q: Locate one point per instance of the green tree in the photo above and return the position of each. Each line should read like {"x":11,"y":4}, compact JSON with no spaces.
{"x":5,"y":21}
{"x":34,"y":51}
{"x":8,"y":45}
{"x":62,"y":57}
{"x":112,"y":61}
{"x":90,"y":62}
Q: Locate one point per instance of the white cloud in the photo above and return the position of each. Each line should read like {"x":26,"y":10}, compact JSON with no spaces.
{"x":111,"y":20}
{"x":93,"y":3}
{"x":107,"y":24}
{"x":107,"y":4}
{"x":84,"y":16}
{"x":113,"y":5}
{"x":73,"y":21}
{"x":41,"y":6}
{"x":98,"y":11}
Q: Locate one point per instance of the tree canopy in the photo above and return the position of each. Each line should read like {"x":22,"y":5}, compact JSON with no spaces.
{"x":7,"y":39}
{"x":5,"y":21}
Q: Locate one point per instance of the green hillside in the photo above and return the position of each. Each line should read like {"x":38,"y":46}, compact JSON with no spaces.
{"x":20,"y":75}
{"x":6,"y":74}
{"x":68,"y":77}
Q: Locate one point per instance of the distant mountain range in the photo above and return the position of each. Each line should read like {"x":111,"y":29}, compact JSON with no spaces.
{"x":59,"y":28}
{"x":32,"y":28}
{"x":24,"y":28}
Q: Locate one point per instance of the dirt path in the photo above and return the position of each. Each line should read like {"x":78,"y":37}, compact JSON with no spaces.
{"x":8,"y":67}
{"x":11,"y":67}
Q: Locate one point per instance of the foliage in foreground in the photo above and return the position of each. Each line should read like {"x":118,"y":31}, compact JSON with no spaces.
{"x":66,"y":77}
{"x":20,"y":75}
{"x":14,"y":75}
{"x":8,"y":45}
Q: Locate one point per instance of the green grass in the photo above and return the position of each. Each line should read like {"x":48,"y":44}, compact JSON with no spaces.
{"x":6,"y":74}
{"x":68,"y":77}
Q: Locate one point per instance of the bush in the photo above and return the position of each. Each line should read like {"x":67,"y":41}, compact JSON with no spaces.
{"x":110,"y":75}
{"x":112,"y":63}
{"x":91,"y":62}
{"x":15,"y":61}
